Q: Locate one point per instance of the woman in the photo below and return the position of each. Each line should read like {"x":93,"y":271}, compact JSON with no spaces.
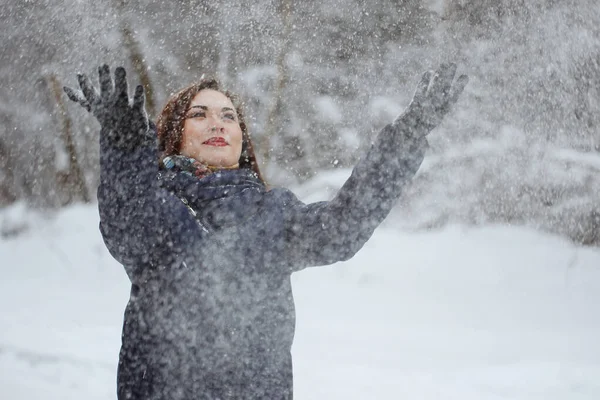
{"x":209,"y":249}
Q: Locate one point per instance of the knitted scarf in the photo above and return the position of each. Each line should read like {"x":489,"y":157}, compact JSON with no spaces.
{"x":190,"y":166}
{"x":217,"y":197}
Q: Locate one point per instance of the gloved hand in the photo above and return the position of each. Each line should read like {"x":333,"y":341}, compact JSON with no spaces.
{"x":123,"y":125}
{"x":434,"y":97}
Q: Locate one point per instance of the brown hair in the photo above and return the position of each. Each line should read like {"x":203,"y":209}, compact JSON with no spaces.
{"x":172,"y":118}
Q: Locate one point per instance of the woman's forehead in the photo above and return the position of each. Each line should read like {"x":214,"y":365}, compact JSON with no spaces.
{"x":212,"y":99}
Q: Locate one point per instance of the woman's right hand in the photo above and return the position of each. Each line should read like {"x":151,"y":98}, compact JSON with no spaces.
{"x":123,"y":125}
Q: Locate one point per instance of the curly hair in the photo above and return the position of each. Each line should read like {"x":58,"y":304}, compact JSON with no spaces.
{"x":172,"y":118}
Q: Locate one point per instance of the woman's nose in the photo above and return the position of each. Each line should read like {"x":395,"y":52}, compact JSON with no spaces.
{"x":215,"y":123}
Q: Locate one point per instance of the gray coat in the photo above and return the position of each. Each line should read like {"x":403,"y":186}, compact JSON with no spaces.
{"x":211,"y":313}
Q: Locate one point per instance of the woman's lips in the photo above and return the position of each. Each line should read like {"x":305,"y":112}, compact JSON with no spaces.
{"x":216,"y":141}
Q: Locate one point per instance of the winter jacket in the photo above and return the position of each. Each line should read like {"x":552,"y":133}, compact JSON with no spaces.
{"x":211,"y":313}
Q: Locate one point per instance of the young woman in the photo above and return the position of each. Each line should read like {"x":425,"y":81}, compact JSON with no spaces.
{"x":209,"y":249}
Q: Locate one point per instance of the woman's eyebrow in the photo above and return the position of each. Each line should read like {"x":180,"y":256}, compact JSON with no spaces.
{"x":206,"y":108}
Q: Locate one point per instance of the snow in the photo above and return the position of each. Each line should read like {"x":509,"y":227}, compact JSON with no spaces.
{"x":494,"y":312}
{"x":328,"y":110}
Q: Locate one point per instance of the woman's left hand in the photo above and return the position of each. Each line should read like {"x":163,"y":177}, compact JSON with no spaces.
{"x":435,"y":95}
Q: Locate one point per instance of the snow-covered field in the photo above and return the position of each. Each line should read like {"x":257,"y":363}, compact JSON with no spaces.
{"x":463,"y":313}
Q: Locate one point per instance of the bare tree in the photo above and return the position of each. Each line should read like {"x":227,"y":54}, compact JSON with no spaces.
{"x":586,"y":74}
{"x":8,"y":192}
{"x":73,"y":180}
{"x":276,"y":109}
{"x":136,"y":56}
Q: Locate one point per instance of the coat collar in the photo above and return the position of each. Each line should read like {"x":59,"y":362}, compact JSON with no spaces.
{"x":221,"y":199}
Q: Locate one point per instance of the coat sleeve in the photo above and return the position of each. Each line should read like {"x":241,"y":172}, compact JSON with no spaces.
{"x":327,"y":232}
{"x":142,"y":225}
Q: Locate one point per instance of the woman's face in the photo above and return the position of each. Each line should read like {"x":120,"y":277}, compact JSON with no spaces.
{"x":211,"y":131}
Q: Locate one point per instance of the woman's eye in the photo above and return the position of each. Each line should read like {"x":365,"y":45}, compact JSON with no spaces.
{"x":196,"y":115}
{"x":229,"y":116}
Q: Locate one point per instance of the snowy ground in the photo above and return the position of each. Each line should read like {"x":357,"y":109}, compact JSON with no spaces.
{"x":463,"y":313}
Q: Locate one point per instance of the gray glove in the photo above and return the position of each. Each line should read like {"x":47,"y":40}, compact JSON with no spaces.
{"x":123,"y":125}
{"x":434,"y":97}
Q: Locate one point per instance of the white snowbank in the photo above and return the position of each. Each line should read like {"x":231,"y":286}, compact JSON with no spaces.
{"x":462,"y":313}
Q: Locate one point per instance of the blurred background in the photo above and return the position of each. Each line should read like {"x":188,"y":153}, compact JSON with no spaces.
{"x":319,"y":79}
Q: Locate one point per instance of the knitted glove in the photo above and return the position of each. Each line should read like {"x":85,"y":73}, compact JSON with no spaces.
{"x":434,"y":97}
{"x":123,"y":125}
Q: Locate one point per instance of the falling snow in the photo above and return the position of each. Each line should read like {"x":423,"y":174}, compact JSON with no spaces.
{"x":482,"y":283}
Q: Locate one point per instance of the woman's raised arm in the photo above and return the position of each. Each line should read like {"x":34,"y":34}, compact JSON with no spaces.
{"x":327,"y":232}
{"x":140,"y":222}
